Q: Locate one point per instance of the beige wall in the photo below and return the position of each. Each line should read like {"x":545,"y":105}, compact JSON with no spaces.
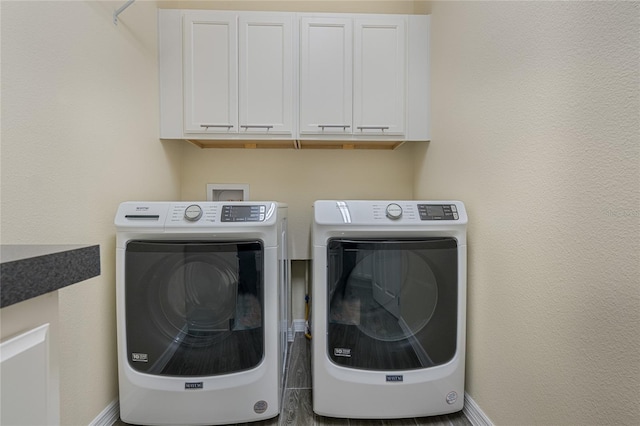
{"x":80,"y":135}
{"x":536,"y":121}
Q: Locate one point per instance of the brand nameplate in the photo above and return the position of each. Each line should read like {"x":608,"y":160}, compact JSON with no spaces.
{"x":344,"y":352}
{"x":137,"y":357}
{"x":395,"y":378}
{"x":194,"y":385}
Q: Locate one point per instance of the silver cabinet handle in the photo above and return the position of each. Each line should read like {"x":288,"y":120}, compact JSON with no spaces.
{"x":383,"y":128}
{"x":334,"y":126}
{"x":227,"y":126}
{"x":256,"y":126}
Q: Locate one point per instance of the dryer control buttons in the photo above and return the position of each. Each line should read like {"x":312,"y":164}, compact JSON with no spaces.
{"x":438,"y":212}
{"x":193,"y":213}
{"x":394,"y":211}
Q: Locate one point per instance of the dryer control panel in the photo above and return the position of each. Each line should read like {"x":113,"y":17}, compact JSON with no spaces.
{"x":392,"y":213}
{"x":438,"y":212}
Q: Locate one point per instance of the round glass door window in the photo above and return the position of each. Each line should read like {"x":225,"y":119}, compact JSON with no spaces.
{"x":389,"y":294}
{"x":392,"y":304}
{"x":194,"y":308}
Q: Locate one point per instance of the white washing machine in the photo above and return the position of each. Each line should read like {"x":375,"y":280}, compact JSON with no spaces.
{"x":389,"y":301}
{"x":202,"y":311}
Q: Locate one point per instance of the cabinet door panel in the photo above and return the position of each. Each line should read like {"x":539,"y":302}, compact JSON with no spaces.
{"x":379,"y":76}
{"x":210,"y":73}
{"x":25,"y":366}
{"x":266,"y":74}
{"x":326,"y":75}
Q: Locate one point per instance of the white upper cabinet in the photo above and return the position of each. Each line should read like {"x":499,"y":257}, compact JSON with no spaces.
{"x":210,"y":72}
{"x":295,"y":77}
{"x":353,"y":76}
{"x":326,"y":75}
{"x":379,"y":82}
{"x":237,"y":74}
{"x":266,"y":73}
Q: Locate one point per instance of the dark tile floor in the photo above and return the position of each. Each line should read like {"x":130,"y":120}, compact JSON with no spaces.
{"x":296,"y":406}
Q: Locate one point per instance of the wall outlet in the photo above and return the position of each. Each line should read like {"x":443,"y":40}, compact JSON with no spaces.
{"x":227,"y":192}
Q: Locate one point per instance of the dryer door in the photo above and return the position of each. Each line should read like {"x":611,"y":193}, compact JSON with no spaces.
{"x":393,"y":304}
{"x":194,"y":309}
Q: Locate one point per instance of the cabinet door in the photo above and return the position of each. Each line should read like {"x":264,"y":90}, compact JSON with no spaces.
{"x":25,"y":366}
{"x":210,"y":72}
{"x":266,"y":73}
{"x":379,"y":76}
{"x":326,"y":69}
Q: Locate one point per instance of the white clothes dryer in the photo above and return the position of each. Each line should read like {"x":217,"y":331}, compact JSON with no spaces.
{"x":202,"y":295}
{"x":389,"y":302}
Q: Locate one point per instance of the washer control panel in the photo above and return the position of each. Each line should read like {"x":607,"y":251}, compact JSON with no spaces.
{"x":190,"y":213}
{"x":243,"y":213}
{"x":438,"y":212}
{"x":196,"y":215}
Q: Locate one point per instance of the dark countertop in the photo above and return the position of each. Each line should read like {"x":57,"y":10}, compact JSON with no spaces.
{"x":28,"y":271}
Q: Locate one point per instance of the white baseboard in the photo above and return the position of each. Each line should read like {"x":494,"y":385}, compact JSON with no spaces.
{"x":476,"y":416}
{"x":109,"y":415}
{"x":299,"y":326}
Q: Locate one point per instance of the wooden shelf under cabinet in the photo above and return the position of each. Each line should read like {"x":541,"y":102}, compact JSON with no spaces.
{"x":296,"y":144}
{"x":247,"y":144}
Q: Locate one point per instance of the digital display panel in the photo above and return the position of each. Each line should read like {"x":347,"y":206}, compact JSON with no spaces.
{"x":435,"y":211}
{"x":243,"y":213}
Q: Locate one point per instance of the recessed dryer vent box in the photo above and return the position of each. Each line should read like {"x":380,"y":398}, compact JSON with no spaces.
{"x":227,"y":192}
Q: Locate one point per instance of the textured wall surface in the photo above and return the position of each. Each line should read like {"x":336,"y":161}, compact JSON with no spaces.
{"x":536,"y":126}
{"x":80,"y":135}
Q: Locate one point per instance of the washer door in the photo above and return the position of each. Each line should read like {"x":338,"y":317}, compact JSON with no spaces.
{"x":393,"y":304}
{"x":194,"y":309}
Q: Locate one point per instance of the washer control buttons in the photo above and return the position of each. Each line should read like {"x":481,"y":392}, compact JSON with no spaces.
{"x":193,"y":213}
{"x":394,"y":211}
{"x":243,"y":213}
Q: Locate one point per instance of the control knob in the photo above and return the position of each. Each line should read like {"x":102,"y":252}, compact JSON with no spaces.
{"x":394,"y":211}
{"x":193,"y":213}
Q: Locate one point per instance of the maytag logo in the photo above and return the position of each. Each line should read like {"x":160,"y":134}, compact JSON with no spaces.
{"x":395,"y":378}
{"x":142,"y":208}
{"x":194,"y":385}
